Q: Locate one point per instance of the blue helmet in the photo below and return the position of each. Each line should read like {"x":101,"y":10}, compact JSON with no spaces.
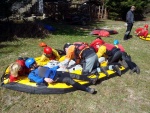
{"x":29,"y":62}
{"x":116,"y":42}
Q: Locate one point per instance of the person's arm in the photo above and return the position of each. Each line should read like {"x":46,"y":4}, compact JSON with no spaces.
{"x":69,"y":56}
{"x":43,"y":58}
{"x":48,"y":80}
{"x":56,"y":54}
{"x":101,"y":51}
{"x":129,"y":17}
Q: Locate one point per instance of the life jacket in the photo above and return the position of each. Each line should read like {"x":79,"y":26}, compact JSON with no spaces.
{"x":120,"y":47}
{"x":79,"y":48}
{"x":24,"y":69}
{"x":110,"y":49}
{"x":47,"y":72}
{"x":104,"y":33}
{"x":53,"y":57}
{"x":95,"y":43}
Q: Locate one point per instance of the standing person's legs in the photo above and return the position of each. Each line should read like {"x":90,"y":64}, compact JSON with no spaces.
{"x":127,"y":33}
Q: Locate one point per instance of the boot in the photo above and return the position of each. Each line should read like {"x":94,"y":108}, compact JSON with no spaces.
{"x":94,"y":80}
{"x":117,"y":70}
{"x":90,"y":90}
{"x":104,"y":71}
{"x":133,"y":70}
{"x":137,"y":70}
{"x":123,"y":63}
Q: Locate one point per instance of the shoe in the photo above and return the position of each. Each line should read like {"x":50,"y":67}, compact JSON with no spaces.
{"x":94,"y":80}
{"x":125,"y":39}
{"x":105,"y":72}
{"x":133,"y":70}
{"x":123,"y":63}
{"x":117,"y":70}
{"x":137,"y":70}
{"x":90,"y":90}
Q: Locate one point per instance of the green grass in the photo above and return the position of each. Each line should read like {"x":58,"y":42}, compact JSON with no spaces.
{"x":125,"y":94}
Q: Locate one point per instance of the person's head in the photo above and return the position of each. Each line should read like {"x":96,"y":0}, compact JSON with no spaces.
{"x":146,"y":26}
{"x":21,"y":62}
{"x":96,"y":44}
{"x":47,"y":51}
{"x":14,"y":69}
{"x":132,"y":8}
{"x":116,"y":42}
{"x":31,"y":63}
{"x":66,"y":46}
{"x":42,"y":44}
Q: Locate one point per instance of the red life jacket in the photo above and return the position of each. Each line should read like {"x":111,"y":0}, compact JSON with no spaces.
{"x":24,"y":70}
{"x":109,"y":48}
{"x":53,"y":57}
{"x":121,"y":48}
{"x":79,"y":48}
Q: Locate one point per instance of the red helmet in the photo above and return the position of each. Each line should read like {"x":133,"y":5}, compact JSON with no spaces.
{"x":47,"y":50}
{"x":97,"y":42}
{"x":146,"y":26}
{"x":21,"y":62}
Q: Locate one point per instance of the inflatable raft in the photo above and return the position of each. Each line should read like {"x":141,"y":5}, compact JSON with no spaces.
{"x":145,"y":38}
{"x":23,"y":84}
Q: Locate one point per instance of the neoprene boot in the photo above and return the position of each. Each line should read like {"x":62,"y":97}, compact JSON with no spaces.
{"x":90,"y":90}
{"x":94,"y":80}
{"x":104,"y":71}
{"x":137,"y":70}
{"x":117,"y":70}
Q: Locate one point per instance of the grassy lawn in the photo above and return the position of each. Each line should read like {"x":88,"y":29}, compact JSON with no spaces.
{"x":125,"y":94}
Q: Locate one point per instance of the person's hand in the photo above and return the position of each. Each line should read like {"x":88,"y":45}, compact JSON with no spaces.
{"x":62,"y":65}
{"x":48,"y":80}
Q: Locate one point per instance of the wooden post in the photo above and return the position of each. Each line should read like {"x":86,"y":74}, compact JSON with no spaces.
{"x":99,"y":8}
{"x":102,"y":13}
{"x":105,"y":13}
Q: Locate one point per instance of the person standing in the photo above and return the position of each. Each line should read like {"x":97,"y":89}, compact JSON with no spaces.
{"x":130,"y":21}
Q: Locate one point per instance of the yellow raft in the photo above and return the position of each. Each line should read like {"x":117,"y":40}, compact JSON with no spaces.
{"x":145,"y":38}
{"x":23,"y":84}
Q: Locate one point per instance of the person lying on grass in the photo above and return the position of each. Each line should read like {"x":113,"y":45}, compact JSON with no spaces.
{"x":40,"y":74}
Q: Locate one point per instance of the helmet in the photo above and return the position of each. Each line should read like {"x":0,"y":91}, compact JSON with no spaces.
{"x":116,"y":42}
{"x":21,"y":62}
{"x":66,"y":46}
{"x":99,"y":42}
{"x":146,"y":26}
{"x":42,"y":44}
{"x":29,"y":62}
{"x":47,"y":50}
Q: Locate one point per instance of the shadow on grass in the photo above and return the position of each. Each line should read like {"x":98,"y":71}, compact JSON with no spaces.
{"x":10,"y":31}
{"x":5,"y":51}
